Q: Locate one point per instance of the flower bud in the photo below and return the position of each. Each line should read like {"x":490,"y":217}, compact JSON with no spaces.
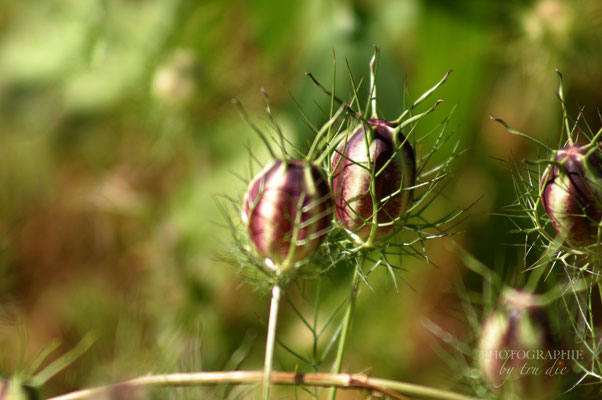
{"x":572,"y":194}
{"x":287,"y":210}
{"x":513,"y":348}
{"x":372,"y":173}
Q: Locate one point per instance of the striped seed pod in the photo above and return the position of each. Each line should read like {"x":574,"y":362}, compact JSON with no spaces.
{"x":373,"y":172}
{"x":516,"y":348}
{"x":572,"y":194}
{"x":287,"y":210}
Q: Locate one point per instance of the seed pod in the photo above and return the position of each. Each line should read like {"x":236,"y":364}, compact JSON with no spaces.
{"x":176,"y":81}
{"x":513,"y":348}
{"x":572,"y":194}
{"x":371,"y":179}
{"x":287,"y":210}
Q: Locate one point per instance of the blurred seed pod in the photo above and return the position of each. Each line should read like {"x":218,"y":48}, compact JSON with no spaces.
{"x":513,"y":348}
{"x":373,"y":172}
{"x":550,"y":23}
{"x":175,"y":81}
{"x":287,"y":210}
{"x":572,"y":194}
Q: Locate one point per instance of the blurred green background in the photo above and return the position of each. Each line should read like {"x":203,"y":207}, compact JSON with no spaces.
{"x":117,"y":130}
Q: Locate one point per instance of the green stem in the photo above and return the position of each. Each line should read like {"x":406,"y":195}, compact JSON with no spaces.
{"x":574,"y":286}
{"x":315,"y":327}
{"x":534,"y":278}
{"x":270,"y":341}
{"x":338,"y":363}
{"x":595,"y":139}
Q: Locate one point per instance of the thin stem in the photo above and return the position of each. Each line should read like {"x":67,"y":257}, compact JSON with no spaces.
{"x":270,"y":341}
{"x":346,"y":326}
{"x":574,"y":286}
{"x":315,"y":327}
{"x":417,"y":390}
{"x":332,"y":89}
{"x":348,"y":381}
{"x":594,"y":142}
{"x":534,"y":278}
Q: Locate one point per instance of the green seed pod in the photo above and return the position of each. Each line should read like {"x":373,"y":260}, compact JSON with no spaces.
{"x":288,"y":202}
{"x":515,"y":346}
{"x":572,"y":194}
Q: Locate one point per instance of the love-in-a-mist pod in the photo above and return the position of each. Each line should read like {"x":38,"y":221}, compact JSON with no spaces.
{"x":571,"y":193}
{"x":287,"y":210}
{"x":374,"y":171}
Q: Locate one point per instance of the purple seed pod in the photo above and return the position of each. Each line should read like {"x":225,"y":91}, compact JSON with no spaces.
{"x":572,"y":194}
{"x":287,"y":210}
{"x":389,"y":161}
{"x":516,"y":348}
